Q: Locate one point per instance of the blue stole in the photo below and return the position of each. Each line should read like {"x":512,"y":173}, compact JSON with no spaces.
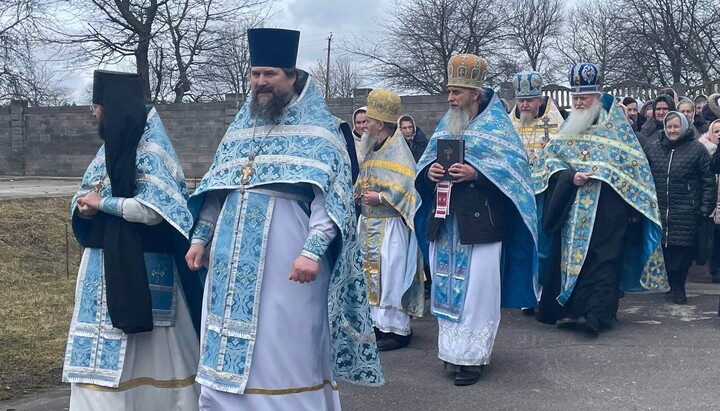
{"x":304,"y":147}
{"x":610,"y":152}
{"x":95,"y":350}
{"x":493,"y":147}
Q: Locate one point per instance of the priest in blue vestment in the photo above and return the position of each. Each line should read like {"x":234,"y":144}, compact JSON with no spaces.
{"x":133,"y":343}
{"x":482,"y":222}
{"x":285,"y":313}
{"x":600,"y":230}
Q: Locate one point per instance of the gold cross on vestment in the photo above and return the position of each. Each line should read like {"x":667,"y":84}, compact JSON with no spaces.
{"x":365,"y":186}
{"x":586,"y":202}
{"x":247,"y":172}
{"x":546,"y":126}
{"x":99,"y":186}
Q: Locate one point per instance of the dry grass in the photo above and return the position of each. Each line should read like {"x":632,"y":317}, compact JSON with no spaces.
{"x":36,"y":298}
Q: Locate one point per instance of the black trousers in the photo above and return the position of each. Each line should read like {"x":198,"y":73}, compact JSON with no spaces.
{"x":678,"y":260}
{"x":715,"y":257}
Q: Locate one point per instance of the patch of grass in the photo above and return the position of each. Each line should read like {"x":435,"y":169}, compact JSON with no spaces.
{"x":36,"y":298}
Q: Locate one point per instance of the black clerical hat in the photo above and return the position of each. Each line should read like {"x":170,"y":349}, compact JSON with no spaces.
{"x":129,"y":84}
{"x":273,"y":47}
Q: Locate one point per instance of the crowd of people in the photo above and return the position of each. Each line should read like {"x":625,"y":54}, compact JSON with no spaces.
{"x":310,"y":243}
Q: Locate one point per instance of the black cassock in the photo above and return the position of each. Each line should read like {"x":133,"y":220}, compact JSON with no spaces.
{"x":597,"y":290}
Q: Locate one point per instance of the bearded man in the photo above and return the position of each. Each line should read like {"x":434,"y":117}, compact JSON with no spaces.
{"x":598,"y":210}
{"x":285,"y":311}
{"x":389,"y":249}
{"x":534,"y":117}
{"x":132,"y":343}
{"x":482,"y":221}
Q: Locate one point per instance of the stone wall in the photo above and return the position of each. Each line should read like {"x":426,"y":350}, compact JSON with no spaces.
{"x":61,"y":141}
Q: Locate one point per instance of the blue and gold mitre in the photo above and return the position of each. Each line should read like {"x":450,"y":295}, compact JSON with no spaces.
{"x":528,"y":84}
{"x":585,"y":79}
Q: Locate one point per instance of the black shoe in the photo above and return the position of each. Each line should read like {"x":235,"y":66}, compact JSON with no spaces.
{"x":679,"y":297}
{"x":567,"y":324}
{"x":529,"y":312}
{"x":393,"y":341}
{"x":379,"y":335}
{"x":589,"y":325}
{"x":468,"y":375}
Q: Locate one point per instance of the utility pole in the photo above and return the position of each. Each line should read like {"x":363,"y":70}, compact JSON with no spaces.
{"x":327,"y":67}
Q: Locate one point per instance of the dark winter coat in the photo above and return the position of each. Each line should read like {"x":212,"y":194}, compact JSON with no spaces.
{"x":481,"y":210}
{"x":418,"y":143}
{"x":649,"y":132}
{"x":685,"y":186}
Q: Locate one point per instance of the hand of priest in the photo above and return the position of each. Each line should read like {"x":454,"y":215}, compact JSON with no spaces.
{"x":436,"y":173}
{"x":194,"y":256}
{"x":89,"y":204}
{"x":371,"y":198}
{"x":462,"y":172}
{"x":304,"y":270}
{"x":581,"y":178}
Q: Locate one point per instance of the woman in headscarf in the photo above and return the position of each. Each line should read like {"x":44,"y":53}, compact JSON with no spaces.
{"x":685,"y":185}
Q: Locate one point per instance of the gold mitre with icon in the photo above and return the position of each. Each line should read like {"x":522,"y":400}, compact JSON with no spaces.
{"x":466,"y":70}
{"x":383,"y":105}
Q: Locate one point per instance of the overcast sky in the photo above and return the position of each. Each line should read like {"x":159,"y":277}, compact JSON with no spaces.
{"x":315,"y":19}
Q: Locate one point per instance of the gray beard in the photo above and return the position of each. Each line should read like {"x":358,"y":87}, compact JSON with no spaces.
{"x":526,"y":118}
{"x":367,"y":144}
{"x":458,"y":121}
{"x":580,"y":120}
{"x":270,"y":111}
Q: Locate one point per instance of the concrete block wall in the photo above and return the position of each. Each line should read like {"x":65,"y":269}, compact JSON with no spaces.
{"x":61,"y":141}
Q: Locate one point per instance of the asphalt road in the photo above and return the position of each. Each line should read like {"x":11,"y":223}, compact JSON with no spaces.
{"x":659,"y":356}
{"x":27,"y":187}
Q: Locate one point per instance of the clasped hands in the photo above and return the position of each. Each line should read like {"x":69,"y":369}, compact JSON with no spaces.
{"x":304,"y":270}
{"x":369,"y":198}
{"x":459,"y":172}
{"x":89,"y":204}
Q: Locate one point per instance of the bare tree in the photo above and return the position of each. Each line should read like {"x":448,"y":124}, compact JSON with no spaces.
{"x":112,"y":30}
{"x":22,"y":75}
{"x":421,"y":36}
{"x":345,"y":77}
{"x":535,"y":25}
{"x":192,"y":26}
{"x":226,"y":68}
{"x":679,"y":46}
{"x":594,"y":34}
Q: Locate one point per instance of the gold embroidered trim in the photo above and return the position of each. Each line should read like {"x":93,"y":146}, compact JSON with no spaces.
{"x":286,"y":391}
{"x":390,"y":165}
{"x":138,"y":382}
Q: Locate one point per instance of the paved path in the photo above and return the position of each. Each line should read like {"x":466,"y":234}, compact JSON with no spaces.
{"x":25,"y":187}
{"x":660,"y":356}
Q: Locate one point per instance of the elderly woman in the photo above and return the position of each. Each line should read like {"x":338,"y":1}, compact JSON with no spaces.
{"x":685,"y":185}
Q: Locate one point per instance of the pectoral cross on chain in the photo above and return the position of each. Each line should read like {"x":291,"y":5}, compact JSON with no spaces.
{"x":247,"y":172}
{"x":546,"y":126}
{"x":448,"y":152}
